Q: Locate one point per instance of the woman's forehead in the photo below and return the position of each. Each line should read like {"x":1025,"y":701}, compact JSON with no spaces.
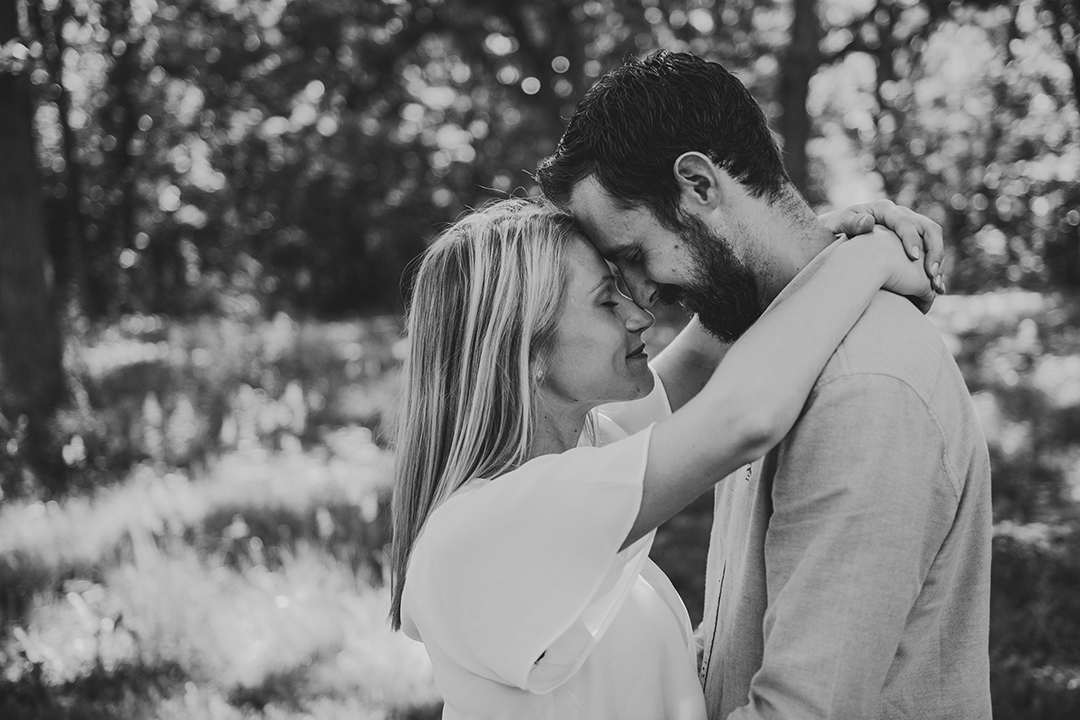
{"x":584,"y":262}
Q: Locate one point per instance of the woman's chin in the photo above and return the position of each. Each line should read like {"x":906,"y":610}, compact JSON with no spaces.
{"x":643,"y":386}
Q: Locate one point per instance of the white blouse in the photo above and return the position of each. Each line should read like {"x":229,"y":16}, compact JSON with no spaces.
{"x":528,"y":609}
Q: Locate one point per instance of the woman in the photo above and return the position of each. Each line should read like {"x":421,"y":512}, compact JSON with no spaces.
{"x":522,"y":516}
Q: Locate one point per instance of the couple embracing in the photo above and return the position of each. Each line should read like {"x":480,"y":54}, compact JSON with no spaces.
{"x":539,"y":447}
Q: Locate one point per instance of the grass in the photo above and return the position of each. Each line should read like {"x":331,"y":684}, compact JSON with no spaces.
{"x":247,"y":593}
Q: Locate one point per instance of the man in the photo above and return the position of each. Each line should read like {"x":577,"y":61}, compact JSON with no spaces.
{"x":849,"y":568}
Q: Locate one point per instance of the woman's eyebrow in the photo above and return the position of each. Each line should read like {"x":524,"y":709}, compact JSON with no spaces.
{"x":609,"y":278}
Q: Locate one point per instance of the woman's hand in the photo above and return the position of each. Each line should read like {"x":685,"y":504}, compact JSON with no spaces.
{"x":920,"y":235}
{"x":901,"y":274}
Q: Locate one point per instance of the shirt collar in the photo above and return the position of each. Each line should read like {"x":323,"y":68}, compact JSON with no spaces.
{"x":805,"y":274}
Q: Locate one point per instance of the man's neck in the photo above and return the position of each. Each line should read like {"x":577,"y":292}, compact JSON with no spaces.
{"x":792,"y":237}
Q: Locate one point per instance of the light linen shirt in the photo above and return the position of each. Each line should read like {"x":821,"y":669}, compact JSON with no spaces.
{"x":526,"y":606}
{"x":849,"y":569}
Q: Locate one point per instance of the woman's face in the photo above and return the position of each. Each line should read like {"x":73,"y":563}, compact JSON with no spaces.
{"x":598,"y":355}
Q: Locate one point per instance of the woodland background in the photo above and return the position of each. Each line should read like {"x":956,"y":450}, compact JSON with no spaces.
{"x":208,"y":209}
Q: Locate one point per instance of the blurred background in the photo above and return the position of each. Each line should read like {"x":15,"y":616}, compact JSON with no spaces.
{"x":208,"y":209}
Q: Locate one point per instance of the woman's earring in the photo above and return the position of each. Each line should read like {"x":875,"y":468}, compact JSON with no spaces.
{"x":539,"y":375}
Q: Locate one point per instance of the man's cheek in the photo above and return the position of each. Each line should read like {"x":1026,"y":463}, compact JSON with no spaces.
{"x":670,"y":294}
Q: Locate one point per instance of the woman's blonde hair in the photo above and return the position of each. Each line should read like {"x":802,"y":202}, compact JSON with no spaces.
{"x":480,"y":329}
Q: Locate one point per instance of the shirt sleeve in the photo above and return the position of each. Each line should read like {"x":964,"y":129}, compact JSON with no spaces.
{"x":862,"y":502}
{"x":523,"y":574}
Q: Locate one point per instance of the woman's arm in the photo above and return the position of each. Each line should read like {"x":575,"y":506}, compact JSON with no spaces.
{"x":916,"y":231}
{"x":754,"y":397}
{"x":688,"y":362}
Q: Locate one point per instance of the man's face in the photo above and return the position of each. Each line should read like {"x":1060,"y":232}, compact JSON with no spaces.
{"x":695,"y":266}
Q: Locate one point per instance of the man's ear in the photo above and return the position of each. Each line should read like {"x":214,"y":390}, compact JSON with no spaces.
{"x":698,"y":179}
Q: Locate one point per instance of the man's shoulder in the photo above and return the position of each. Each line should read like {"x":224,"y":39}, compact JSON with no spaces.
{"x":894,"y":339}
{"x":895,"y":367}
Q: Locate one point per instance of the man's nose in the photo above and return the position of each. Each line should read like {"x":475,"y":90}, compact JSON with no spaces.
{"x":643,"y":290}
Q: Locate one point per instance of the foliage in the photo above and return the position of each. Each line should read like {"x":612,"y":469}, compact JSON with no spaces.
{"x":176,"y":393}
{"x":296,"y":153}
{"x":984,"y":136}
{"x":1035,"y":621}
{"x":244,"y":594}
{"x":205,"y":154}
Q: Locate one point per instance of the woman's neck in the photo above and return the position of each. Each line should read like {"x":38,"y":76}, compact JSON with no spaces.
{"x":558,"y":427}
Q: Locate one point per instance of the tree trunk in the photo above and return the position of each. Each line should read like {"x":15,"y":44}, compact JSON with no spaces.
{"x":31,"y":371}
{"x":121,"y":122}
{"x":67,"y":255}
{"x":801,"y":62}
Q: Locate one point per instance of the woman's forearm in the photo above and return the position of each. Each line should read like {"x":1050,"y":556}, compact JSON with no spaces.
{"x":758,"y":391}
{"x":767,"y":375}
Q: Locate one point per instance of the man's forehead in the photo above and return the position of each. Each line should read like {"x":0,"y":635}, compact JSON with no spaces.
{"x":611,"y":245}
{"x":601,"y":219}
{"x":591,"y":202}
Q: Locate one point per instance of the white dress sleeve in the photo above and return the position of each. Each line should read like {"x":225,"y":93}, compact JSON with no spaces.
{"x":517,"y":579}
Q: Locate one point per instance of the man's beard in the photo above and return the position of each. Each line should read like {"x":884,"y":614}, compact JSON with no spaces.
{"x":723,"y":292}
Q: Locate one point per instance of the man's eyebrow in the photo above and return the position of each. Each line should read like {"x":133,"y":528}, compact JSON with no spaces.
{"x":612,"y":250}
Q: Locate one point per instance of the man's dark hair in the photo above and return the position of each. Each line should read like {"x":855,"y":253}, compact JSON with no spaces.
{"x":632,"y":125}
